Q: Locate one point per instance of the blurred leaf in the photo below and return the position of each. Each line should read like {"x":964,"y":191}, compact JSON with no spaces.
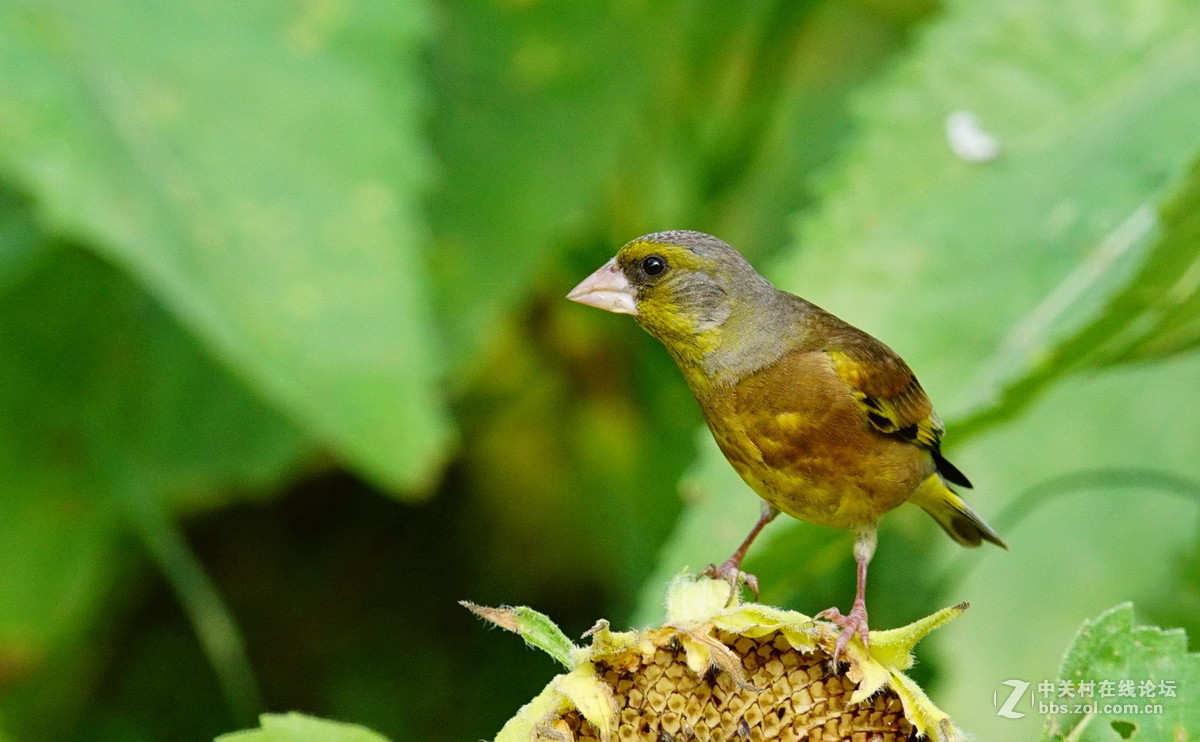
{"x":99,"y":382}
{"x":1081,"y":549}
{"x":20,"y":242}
{"x":1160,"y":308}
{"x":1111,"y":648}
{"x":294,"y":727}
{"x":1154,"y":313}
{"x":263,"y":189}
{"x":101,"y":385}
{"x":534,"y":101}
{"x":725,"y":72}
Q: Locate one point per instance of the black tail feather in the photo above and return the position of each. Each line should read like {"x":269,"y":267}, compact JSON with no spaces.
{"x":950,"y":471}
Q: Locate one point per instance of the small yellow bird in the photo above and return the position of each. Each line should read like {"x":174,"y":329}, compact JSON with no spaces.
{"x":823,"y":421}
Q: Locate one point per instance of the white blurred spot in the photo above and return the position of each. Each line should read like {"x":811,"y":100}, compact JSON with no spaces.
{"x":968,"y":140}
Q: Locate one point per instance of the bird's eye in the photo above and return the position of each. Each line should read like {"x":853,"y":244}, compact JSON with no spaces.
{"x":653,"y":265}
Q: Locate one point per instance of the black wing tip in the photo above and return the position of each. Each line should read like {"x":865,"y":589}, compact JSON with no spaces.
{"x":950,"y":472}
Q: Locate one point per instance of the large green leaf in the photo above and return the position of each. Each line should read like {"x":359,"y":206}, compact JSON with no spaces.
{"x":259,"y":182}
{"x":1158,"y":312}
{"x":100,"y":382}
{"x":1154,"y":313}
{"x":102,"y":392}
{"x":1162,"y":679}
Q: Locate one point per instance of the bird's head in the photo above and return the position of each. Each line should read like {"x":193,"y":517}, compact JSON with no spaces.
{"x":681,"y":286}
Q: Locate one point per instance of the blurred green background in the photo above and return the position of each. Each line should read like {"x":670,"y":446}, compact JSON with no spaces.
{"x":285,"y":368}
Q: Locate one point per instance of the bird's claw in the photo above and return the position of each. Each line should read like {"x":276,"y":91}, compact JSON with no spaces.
{"x":854,"y":623}
{"x":730,"y":572}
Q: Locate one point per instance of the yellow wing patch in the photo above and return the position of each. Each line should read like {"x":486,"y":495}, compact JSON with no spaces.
{"x":886,"y":416}
{"x":890,"y":396}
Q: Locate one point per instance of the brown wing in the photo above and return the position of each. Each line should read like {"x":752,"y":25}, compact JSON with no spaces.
{"x":890,"y":395}
{"x":888,"y":392}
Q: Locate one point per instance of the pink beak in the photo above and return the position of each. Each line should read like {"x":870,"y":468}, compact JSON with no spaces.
{"x":606,"y":289}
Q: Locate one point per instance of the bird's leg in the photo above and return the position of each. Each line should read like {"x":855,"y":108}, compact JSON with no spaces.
{"x":856,"y":621}
{"x":731,"y":569}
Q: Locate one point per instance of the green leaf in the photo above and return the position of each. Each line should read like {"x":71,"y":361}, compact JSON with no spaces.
{"x":99,"y":384}
{"x":1110,"y":649}
{"x":1159,"y":310}
{"x":294,"y":727}
{"x":259,"y":184}
{"x":1153,"y":314}
{"x":537,"y":629}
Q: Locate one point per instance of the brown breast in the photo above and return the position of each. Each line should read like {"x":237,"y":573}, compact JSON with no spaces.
{"x":796,"y":436}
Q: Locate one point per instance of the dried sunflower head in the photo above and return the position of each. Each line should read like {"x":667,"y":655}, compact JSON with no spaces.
{"x":724,"y":672}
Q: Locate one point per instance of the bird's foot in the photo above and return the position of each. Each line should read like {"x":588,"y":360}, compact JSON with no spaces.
{"x":731,"y":572}
{"x":854,"y":623}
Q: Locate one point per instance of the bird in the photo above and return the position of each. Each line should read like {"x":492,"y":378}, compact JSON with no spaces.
{"x":823,"y":422}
